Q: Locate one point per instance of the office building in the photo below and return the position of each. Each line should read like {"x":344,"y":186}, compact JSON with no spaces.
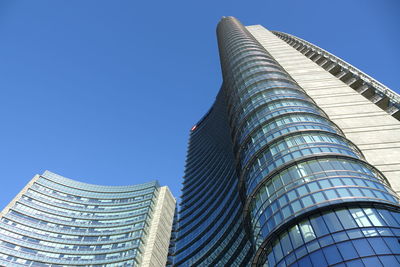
{"x":295,"y":164}
{"x":55,"y":221}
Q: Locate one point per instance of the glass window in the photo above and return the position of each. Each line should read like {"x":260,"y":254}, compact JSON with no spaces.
{"x":325,"y":241}
{"x":389,"y":261}
{"x":290,"y":259}
{"x":295,"y":236}
{"x":307,"y":201}
{"x":332,"y":255}
{"x":396,"y":215}
{"x":343,"y":192}
{"x":354,"y":263}
{"x":331,"y":194}
{"x":271,"y":259}
{"x":307,"y":231}
{"x":332,"y":222}
{"x":347,"y":250}
{"x":283,"y":201}
{"x":355,"y":191}
{"x":301,"y":251}
{"x":286,"y":245}
{"x":324,"y":184}
{"x":319,"y":197}
{"x":379,"y":245}
{"x":340,"y":236}
{"x":354,"y":233}
{"x":292,"y":195}
{"x":296,"y":206}
{"x":277,"y":251}
{"x":371,"y":261}
{"x":387,"y":216}
{"x":318,"y":225}
{"x":304,"y":262}
{"x":286,"y":178}
{"x":368,"y":193}
{"x":312,"y":246}
{"x":363,"y":247}
{"x":346,"y":219}
{"x":374,"y":218}
{"x":318,"y":258}
{"x":360,"y":217}
{"x":393,"y":244}
{"x":286,"y":212}
{"x":314,"y":166}
{"x":302,"y":190}
{"x":313,"y":186}
{"x":369,"y":232}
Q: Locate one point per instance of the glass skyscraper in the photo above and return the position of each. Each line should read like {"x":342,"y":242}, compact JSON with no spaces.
{"x":55,"y":221}
{"x":279,"y":172}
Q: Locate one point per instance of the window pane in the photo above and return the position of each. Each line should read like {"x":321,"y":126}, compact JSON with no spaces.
{"x":277,"y":251}
{"x":347,"y":250}
{"x":332,"y":222}
{"x":286,"y":245}
{"x":319,"y":197}
{"x":346,"y":219}
{"x":319,"y":226}
{"x":318,"y":259}
{"x":326,"y":241}
{"x":393,"y":244}
{"x":295,"y":236}
{"x":371,"y":261}
{"x":387,"y":216}
{"x":360,"y":217}
{"x":307,"y":231}
{"x":307,"y":201}
{"x":332,"y":255}
{"x":340,"y":236}
{"x":378,"y":245}
{"x":389,"y":261}
{"x":376,"y":221}
{"x":363,"y":248}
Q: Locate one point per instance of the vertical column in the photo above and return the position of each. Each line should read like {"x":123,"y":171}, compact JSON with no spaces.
{"x":157,"y":243}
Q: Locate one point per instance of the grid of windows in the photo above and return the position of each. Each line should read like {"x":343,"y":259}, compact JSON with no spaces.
{"x":210,"y":227}
{"x":307,"y":185}
{"x":356,"y":235}
{"x":58,"y":221}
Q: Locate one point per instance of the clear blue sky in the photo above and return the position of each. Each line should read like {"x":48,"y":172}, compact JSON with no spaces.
{"x":105,"y":92}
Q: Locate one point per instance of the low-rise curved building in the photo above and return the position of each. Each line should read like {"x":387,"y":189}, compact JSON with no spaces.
{"x":55,"y":221}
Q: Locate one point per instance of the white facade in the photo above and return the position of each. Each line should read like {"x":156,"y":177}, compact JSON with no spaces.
{"x":156,"y":246}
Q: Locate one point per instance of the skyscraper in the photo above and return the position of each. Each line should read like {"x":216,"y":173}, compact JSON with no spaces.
{"x":55,"y":221}
{"x":279,"y":171}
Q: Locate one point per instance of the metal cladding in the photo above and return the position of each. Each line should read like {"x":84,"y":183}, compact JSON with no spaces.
{"x":271,"y":180}
{"x":57,"y":221}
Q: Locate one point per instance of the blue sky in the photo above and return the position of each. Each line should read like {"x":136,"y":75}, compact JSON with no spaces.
{"x":105,"y":92}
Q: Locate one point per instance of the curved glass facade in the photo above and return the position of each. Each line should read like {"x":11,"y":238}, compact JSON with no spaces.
{"x":268,"y":170}
{"x":56,"y":221}
{"x":210,"y":227}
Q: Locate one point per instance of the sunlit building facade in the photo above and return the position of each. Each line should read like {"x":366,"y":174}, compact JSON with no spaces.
{"x":279,"y":172}
{"x":56,"y":221}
